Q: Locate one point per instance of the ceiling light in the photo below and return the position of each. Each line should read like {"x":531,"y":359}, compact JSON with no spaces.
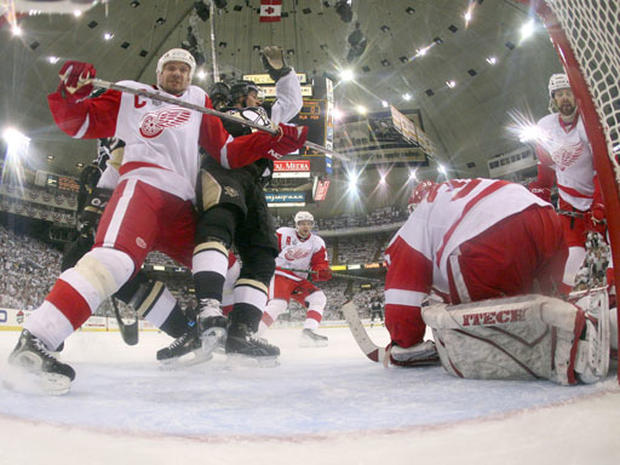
{"x":201,"y":74}
{"x":108,"y":36}
{"x":384,"y":104}
{"x":361,"y":109}
{"x":13,"y":136}
{"x":421,"y":51}
{"x":52,"y":59}
{"x":407,"y":96}
{"x":491,"y":60}
{"x":347,"y":75}
{"x":16,"y":30}
{"x":451,"y":84}
{"x":412,"y":175}
{"x":77,"y":13}
{"x":527,"y":30}
{"x":441,"y":168}
{"x":50,"y":157}
{"x":338,"y":114}
{"x":79,"y":164}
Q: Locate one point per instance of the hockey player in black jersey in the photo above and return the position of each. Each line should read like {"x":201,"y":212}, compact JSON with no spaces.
{"x":234,"y":212}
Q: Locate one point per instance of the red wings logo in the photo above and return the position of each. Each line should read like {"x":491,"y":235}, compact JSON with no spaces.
{"x":154,"y":123}
{"x":566,"y":156}
{"x":295,"y":253}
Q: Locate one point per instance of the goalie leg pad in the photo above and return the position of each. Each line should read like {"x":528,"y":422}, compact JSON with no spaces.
{"x":525,"y":337}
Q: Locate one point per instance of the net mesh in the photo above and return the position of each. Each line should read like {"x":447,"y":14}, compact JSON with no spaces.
{"x":593,"y":30}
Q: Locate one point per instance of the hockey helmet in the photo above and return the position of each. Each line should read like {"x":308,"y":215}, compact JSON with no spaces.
{"x":557,"y":82}
{"x":219,"y":93}
{"x":177,"y":54}
{"x":419,"y":193}
{"x":242,"y":89}
{"x":303,"y":216}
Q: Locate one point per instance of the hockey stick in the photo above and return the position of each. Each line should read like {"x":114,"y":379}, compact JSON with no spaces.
{"x":207,"y":111}
{"x":372,"y":350}
{"x":336,"y":274}
{"x":129,"y":332}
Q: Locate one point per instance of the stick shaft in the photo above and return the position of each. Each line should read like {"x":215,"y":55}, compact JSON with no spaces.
{"x":207,"y":111}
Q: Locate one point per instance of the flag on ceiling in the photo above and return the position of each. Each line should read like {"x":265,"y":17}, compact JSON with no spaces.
{"x":270,"y":10}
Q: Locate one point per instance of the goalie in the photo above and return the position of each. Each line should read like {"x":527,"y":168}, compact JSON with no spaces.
{"x":476,"y":239}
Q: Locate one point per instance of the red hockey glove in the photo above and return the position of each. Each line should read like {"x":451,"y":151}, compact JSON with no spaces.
{"x":289,"y":139}
{"x":322,"y":274}
{"x":596,"y":218}
{"x":542,"y":192}
{"x":75,"y":80}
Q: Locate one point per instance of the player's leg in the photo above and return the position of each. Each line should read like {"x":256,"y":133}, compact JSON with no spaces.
{"x":280,"y":289}
{"x":316,"y":302}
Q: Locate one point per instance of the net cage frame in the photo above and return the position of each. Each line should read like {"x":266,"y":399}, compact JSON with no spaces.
{"x":586,"y":36}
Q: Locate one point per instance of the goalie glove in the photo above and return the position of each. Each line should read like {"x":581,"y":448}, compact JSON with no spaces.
{"x":90,"y":216}
{"x":75,"y":80}
{"x":274,"y":62}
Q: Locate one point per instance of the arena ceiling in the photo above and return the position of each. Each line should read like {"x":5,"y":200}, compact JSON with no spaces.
{"x":467,"y":122}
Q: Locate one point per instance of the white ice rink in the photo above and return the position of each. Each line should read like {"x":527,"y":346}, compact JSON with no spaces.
{"x":320,"y":406}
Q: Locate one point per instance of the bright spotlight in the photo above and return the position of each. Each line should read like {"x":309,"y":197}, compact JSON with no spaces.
{"x":421,"y":51}
{"x":347,"y":75}
{"x":13,"y":137}
{"x":491,"y":60}
{"x":527,"y":30}
{"x":384,"y":104}
{"x":441,"y":169}
{"x":77,"y":13}
{"x":413,"y":176}
{"x":382,"y":179}
{"x":338,"y":114}
{"x":108,"y":36}
{"x":407,"y":96}
{"x":530,"y":133}
{"x":16,"y":30}
{"x":201,"y":74}
{"x":52,"y":59}
{"x":361,"y":109}
{"x":451,"y":84}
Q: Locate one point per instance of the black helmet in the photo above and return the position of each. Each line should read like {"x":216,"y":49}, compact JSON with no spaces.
{"x":219,"y":93}
{"x":242,"y":89}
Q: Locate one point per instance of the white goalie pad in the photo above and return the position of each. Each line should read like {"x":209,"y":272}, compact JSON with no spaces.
{"x":524,"y":337}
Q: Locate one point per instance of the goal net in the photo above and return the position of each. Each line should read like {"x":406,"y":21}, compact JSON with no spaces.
{"x":586,"y":35}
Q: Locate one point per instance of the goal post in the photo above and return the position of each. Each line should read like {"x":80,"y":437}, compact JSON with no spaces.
{"x":586,"y":35}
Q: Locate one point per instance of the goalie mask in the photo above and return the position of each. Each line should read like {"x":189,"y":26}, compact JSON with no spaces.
{"x":419,"y":193}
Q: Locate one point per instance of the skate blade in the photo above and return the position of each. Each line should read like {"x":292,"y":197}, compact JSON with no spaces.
{"x":40,"y":384}
{"x":239,"y":360}
{"x":190,"y":359}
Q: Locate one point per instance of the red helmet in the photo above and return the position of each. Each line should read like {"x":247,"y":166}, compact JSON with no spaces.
{"x":419,"y":193}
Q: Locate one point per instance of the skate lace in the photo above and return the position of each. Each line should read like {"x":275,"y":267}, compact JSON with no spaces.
{"x":261,"y":342}
{"x":180,"y":341}
{"x":42,"y":349}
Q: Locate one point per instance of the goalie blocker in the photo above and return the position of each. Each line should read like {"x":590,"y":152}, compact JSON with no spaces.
{"x":525,"y":337}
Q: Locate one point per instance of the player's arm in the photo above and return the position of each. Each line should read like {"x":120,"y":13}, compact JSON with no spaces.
{"x":319,"y":264}
{"x":76,"y":114}
{"x":546,"y":175}
{"x":240,"y":151}
{"x":407,"y":284}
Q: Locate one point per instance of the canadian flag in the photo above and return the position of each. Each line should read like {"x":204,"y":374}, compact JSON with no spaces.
{"x":270,"y":10}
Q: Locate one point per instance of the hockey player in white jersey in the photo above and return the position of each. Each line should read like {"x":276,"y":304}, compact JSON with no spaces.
{"x":565,"y":157}
{"x":477,"y":239}
{"x":151,"y":207}
{"x":301,"y":252}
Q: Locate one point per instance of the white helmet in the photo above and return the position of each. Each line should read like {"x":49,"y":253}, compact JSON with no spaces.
{"x":303,"y":216}
{"x":557,"y":82}
{"x":177,"y":54}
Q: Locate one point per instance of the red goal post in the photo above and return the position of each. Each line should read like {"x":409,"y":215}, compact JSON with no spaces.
{"x":586,"y":35}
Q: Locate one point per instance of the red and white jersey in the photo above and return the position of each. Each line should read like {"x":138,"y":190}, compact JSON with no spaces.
{"x":299,"y":254}
{"x":452,"y":213}
{"x":162,"y":139}
{"x":566,"y":149}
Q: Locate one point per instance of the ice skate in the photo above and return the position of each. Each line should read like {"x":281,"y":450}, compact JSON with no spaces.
{"x":421,"y":354}
{"x":243,"y":348}
{"x":311,"y":339}
{"x":34,"y":370}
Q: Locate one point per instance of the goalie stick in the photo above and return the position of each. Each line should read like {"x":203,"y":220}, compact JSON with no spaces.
{"x":207,"y":111}
{"x":336,"y":274}
{"x":129,"y":332}
{"x":370,"y":349}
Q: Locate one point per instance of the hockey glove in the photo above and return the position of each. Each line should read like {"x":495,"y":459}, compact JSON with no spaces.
{"x":75,"y":80}
{"x":596,"y":218}
{"x":290,"y":139}
{"x":322,"y":274}
{"x":90,"y":216}
{"x":274,"y":62}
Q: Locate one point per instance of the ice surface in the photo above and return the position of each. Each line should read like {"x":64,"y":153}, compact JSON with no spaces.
{"x":321,"y":405}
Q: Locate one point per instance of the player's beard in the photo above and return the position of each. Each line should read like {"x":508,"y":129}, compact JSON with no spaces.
{"x":567,"y":109}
